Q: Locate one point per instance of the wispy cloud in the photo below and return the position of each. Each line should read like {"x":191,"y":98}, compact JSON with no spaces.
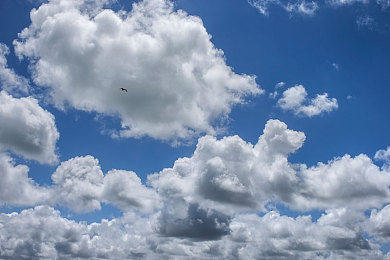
{"x":298,"y":7}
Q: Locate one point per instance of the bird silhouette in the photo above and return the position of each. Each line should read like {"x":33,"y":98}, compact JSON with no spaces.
{"x":124,"y":90}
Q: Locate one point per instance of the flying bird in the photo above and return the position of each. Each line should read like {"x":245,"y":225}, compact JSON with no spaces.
{"x":124,"y":90}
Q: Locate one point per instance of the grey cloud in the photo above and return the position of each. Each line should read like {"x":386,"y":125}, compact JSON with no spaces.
{"x":16,"y":188}
{"x":32,"y":133}
{"x":200,"y":224}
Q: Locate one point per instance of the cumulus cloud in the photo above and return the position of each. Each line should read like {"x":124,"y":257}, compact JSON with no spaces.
{"x":231,"y":175}
{"x":79,"y":182}
{"x":299,"y":7}
{"x":295,"y":99}
{"x":32,"y":133}
{"x":207,"y":206}
{"x":164,"y":58}
{"x":42,"y":232}
{"x":9,"y":80}
{"x":81,"y":186}
{"x":125,"y":190}
{"x":379,"y":224}
{"x":16,"y":188}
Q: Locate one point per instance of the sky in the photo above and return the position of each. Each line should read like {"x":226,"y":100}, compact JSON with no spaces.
{"x":250,"y":129}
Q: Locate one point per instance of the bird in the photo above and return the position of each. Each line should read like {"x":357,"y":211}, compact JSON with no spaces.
{"x":124,"y":90}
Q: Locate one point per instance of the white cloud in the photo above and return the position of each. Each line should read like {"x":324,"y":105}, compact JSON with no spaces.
{"x":79,"y":183}
{"x":365,"y":21}
{"x":346,"y":180}
{"x":81,"y":186}
{"x":230,"y":176}
{"x":302,"y":7}
{"x":379,"y":224}
{"x":280,"y":84}
{"x":42,"y":232}
{"x":16,"y":188}
{"x":205,"y":206}
{"x":124,"y":189}
{"x":299,"y":7}
{"x":9,"y":80}
{"x":164,"y":58}
{"x":337,"y":3}
{"x":384,"y":155}
{"x":336,"y":66}
{"x":27,"y":129}
{"x":383,"y":3}
{"x":295,"y":99}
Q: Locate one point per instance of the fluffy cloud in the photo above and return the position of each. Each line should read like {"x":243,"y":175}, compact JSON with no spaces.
{"x":231,"y":175}
{"x":81,"y":186}
{"x":32,"y":134}
{"x":125,"y":190}
{"x":42,"y":232}
{"x":299,"y":7}
{"x":294,"y":99}
{"x":16,"y":188}
{"x":346,"y":180}
{"x":205,"y":206}
{"x":164,"y":58}
{"x":379,"y":224}
{"x":9,"y":80}
{"x":79,"y":182}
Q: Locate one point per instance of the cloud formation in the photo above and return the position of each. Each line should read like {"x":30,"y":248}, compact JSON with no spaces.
{"x":206,"y":205}
{"x":42,"y":232}
{"x":164,"y":58}
{"x":32,"y":133}
{"x":298,"y":7}
{"x":81,"y":186}
{"x":9,"y":80}
{"x":16,"y":188}
{"x":295,"y":99}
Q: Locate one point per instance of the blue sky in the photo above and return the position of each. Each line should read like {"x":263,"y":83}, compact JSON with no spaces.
{"x":310,"y":78}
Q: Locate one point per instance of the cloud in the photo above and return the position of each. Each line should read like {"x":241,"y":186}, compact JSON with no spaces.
{"x":299,"y":7}
{"x":232,"y":176}
{"x":338,"y":3}
{"x":16,"y":188}
{"x":9,"y":80}
{"x":164,"y":58}
{"x":294,"y":99}
{"x":336,"y":66}
{"x":355,"y":181}
{"x":79,"y":183}
{"x":125,"y":190}
{"x":383,"y":3}
{"x":42,"y":232}
{"x":384,"y":155}
{"x":81,"y":186}
{"x":365,"y":21}
{"x":205,"y":206}
{"x":302,"y":7}
{"x":379,"y":225}
{"x":278,"y":85}
{"x":32,"y":133}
